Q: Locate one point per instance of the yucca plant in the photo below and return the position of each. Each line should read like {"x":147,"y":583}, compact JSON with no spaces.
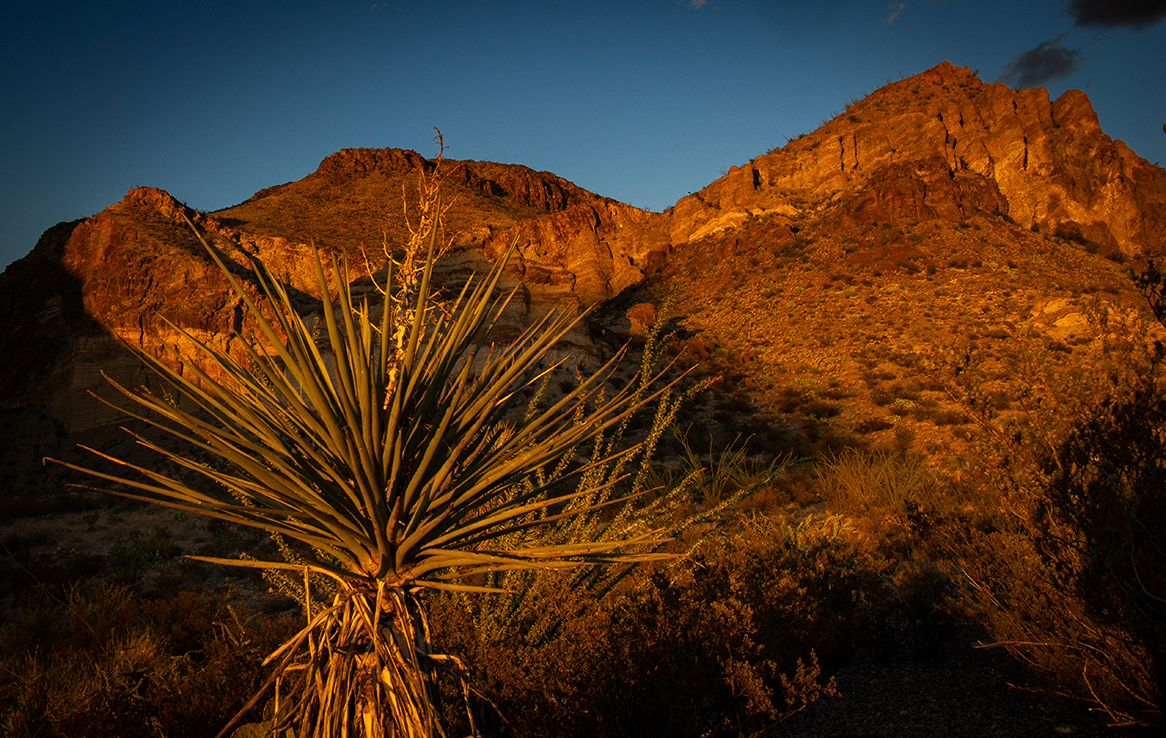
{"x":386,"y":445}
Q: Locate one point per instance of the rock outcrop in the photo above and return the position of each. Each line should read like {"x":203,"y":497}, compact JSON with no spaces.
{"x":135,"y":275}
{"x":586,"y":253}
{"x":1043,"y":163}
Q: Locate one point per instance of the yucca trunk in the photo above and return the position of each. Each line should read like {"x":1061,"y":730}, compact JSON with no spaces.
{"x":369,"y":670}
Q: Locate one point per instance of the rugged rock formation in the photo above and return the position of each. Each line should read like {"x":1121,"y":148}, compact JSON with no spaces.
{"x":1043,"y":163}
{"x":937,"y":146}
{"x":585,"y":254}
{"x":568,"y":236}
{"x":136,"y":274}
{"x":357,"y":200}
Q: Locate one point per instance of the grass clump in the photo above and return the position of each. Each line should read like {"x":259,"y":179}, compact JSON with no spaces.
{"x":873,"y":485}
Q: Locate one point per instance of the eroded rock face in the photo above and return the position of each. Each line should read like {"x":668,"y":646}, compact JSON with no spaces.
{"x":922,"y":190}
{"x":585,"y":254}
{"x":1049,"y":161}
{"x":135,"y":275}
{"x":132,"y":276}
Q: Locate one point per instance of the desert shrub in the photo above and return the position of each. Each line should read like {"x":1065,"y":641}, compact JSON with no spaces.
{"x":1106,"y":517}
{"x":1005,"y":216}
{"x":872,"y":425}
{"x":924,"y":409}
{"x":19,"y":540}
{"x":698,"y":647}
{"x":48,"y":499}
{"x":822,"y":408}
{"x":908,"y":390}
{"x":1078,"y":238}
{"x":1060,"y":526}
{"x":130,"y":558}
{"x":1032,"y":604}
{"x":950,"y":417}
{"x":715,"y":476}
{"x":106,"y":664}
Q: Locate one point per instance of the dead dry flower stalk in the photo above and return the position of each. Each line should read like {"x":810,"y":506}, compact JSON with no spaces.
{"x":387,"y":449}
{"x":410,"y":267}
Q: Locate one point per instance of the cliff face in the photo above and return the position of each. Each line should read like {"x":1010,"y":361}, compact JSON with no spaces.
{"x":586,"y":253}
{"x":136,"y":274}
{"x":937,"y":146}
{"x":1049,"y":162}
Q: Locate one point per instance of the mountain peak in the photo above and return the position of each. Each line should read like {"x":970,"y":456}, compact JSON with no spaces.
{"x":1049,"y":161}
{"x":947,"y":73}
{"x":368,"y":160}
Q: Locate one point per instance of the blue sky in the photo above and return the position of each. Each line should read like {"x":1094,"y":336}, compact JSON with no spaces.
{"x":640,"y":100}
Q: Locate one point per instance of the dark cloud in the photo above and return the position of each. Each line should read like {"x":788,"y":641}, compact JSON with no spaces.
{"x":1037,"y":66}
{"x":1115,"y":13}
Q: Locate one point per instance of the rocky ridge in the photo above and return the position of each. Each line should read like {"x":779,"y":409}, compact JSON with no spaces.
{"x":937,"y":147}
{"x":136,"y":275}
{"x":1044,"y":163}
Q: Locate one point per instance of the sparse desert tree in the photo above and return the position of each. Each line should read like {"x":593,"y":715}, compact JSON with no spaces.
{"x":386,"y":445}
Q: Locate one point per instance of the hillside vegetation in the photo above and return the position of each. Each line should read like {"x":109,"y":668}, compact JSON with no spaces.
{"x":924,"y":395}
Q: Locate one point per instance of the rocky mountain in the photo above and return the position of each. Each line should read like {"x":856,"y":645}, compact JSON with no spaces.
{"x":135,"y":272}
{"x":879,"y":182}
{"x":835,"y":282}
{"x":943,"y":143}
